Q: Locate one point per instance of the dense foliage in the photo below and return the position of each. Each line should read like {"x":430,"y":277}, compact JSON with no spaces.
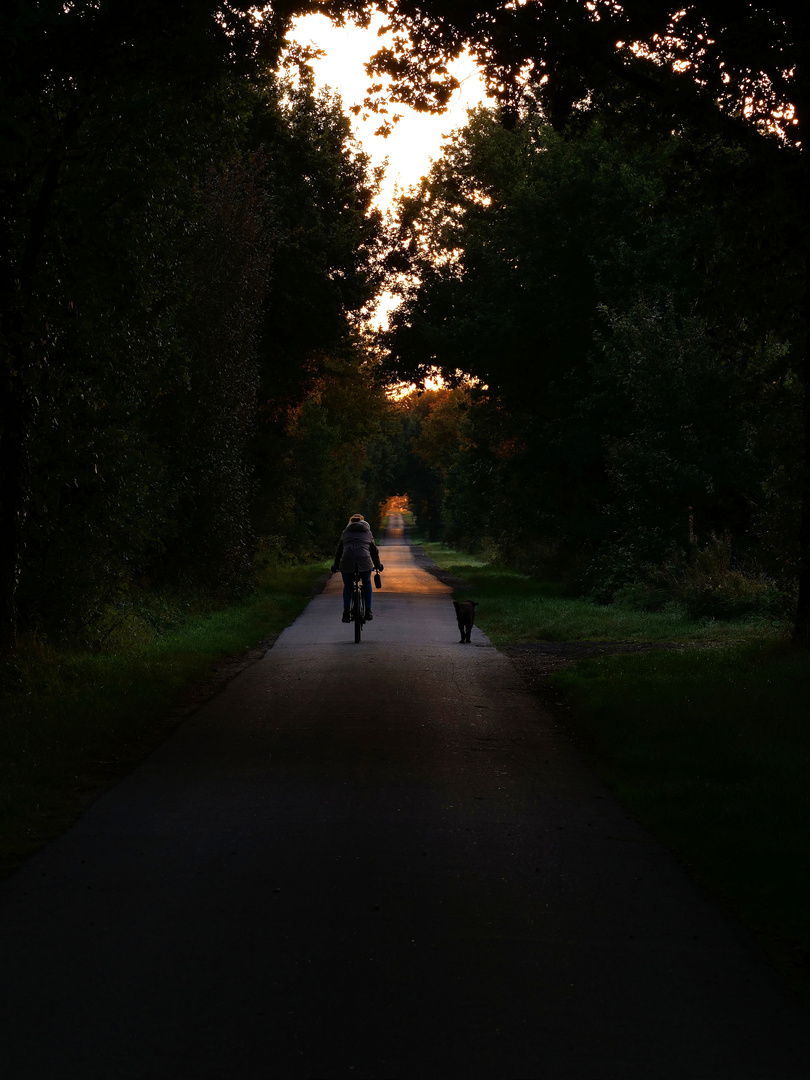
{"x":189,"y":238}
{"x":625,"y":399}
{"x":735,"y":73}
{"x":612,"y":264}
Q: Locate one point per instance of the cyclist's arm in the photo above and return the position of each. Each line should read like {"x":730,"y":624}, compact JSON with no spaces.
{"x":375,"y":555}
{"x":338,"y":556}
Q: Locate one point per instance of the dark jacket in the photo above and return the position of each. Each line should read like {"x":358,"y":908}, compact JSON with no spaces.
{"x":357,"y":548}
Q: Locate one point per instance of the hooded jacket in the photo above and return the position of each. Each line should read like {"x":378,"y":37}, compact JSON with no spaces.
{"x":357,"y":548}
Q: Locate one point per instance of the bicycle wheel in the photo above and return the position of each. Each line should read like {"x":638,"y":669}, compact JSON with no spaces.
{"x":358,"y":613}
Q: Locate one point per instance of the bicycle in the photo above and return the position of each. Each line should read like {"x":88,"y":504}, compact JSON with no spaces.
{"x":357,"y":608}
{"x":357,"y":611}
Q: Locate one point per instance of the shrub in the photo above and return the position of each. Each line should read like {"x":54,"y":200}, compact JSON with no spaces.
{"x":734,"y":595}
{"x":708,"y":583}
{"x":705,"y":581}
{"x":712,"y":586}
{"x":612,"y":572}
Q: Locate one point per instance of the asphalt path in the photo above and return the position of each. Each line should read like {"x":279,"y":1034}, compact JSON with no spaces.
{"x":382,"y":861}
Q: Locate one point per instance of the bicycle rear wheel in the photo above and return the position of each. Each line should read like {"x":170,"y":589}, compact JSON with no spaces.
{"x":357,"y":615}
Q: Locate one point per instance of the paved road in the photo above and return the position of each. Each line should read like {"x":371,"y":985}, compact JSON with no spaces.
{"x":376,"y":861}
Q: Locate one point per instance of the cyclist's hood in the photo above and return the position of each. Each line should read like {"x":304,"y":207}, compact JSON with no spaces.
{"x":357,"y":527}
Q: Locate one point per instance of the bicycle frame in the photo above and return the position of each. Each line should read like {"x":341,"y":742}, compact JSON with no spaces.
{"x":358,"y":608}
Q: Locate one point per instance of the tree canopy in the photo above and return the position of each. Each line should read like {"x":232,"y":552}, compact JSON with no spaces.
{"x":739,"y":60}
{"x":734,"y":73}
{"x":609,"y":269}
{"x":621,"y":390}
{"x":190,"y":238}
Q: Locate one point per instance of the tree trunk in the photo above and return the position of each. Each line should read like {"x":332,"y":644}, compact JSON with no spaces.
{"x":801,"y":629}
{"x":13,"y":486}
{"x":11,"y":446}
{"x":17,"y":271}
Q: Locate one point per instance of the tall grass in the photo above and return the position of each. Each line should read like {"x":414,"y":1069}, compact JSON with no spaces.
{"x":75,"y":719}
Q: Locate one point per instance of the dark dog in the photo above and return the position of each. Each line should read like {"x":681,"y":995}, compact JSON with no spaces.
{"x":465,"y":613}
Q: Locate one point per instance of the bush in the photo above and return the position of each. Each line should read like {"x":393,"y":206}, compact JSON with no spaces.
{"x":711,"y":586}
{"x":733,"y":596}
{"x":708,"y":584}
{"x":612,"y":572}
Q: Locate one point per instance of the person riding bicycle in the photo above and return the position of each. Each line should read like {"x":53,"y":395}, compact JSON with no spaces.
{"x":356,"y":551}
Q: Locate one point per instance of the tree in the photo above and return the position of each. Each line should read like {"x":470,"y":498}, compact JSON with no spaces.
{"x":83,"y":85}
{"x":188,"y":238}
{"x":569,"y":277}
{"x":327,"y":241}
{"x":208,"y":424}
{"x":727,"y":70}
{"x":706,"y":59}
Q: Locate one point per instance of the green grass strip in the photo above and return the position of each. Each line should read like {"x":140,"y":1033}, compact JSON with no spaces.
{"x":78,"y":720}
{"x":711,"y":750}
{"x":516,"y":609}
{"x":708,"y":745}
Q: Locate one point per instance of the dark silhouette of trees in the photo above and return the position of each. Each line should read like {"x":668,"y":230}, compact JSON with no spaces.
{"x":188,"y":237}
{"x":103,"y":114}
{"x":731,"y":72}
{"x":584,"y":282}
{"x":186,"y":240}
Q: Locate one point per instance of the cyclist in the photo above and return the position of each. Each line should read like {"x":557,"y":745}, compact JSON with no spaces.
{"x":356,"y":550}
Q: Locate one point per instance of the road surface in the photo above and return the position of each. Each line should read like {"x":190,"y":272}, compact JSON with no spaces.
{"x":381,"y":861}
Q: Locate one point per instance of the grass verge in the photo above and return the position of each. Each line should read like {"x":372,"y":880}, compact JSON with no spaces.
{"x":708,"y":745}
{"x":76,"y":721}
{"x":711,"y":750}
{"x":516,"y":609}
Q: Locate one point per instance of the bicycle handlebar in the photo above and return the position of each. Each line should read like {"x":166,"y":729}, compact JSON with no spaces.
{"x":377,"y":569}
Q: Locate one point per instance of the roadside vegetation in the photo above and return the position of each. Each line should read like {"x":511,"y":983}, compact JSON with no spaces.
{"x":710,"y":748}
{"x":519,"y":608}
{"x":614,"y":410}
{"x":707,"y":744}
{"x":187,"y":406}
{"x":77,"y":717}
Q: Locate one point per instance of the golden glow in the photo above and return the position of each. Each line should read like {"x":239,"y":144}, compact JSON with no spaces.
{"x":416,"y":138}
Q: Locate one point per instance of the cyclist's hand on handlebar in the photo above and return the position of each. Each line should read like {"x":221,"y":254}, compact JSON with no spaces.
{"x":380,"y":567}
{"x":335,"y":569}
